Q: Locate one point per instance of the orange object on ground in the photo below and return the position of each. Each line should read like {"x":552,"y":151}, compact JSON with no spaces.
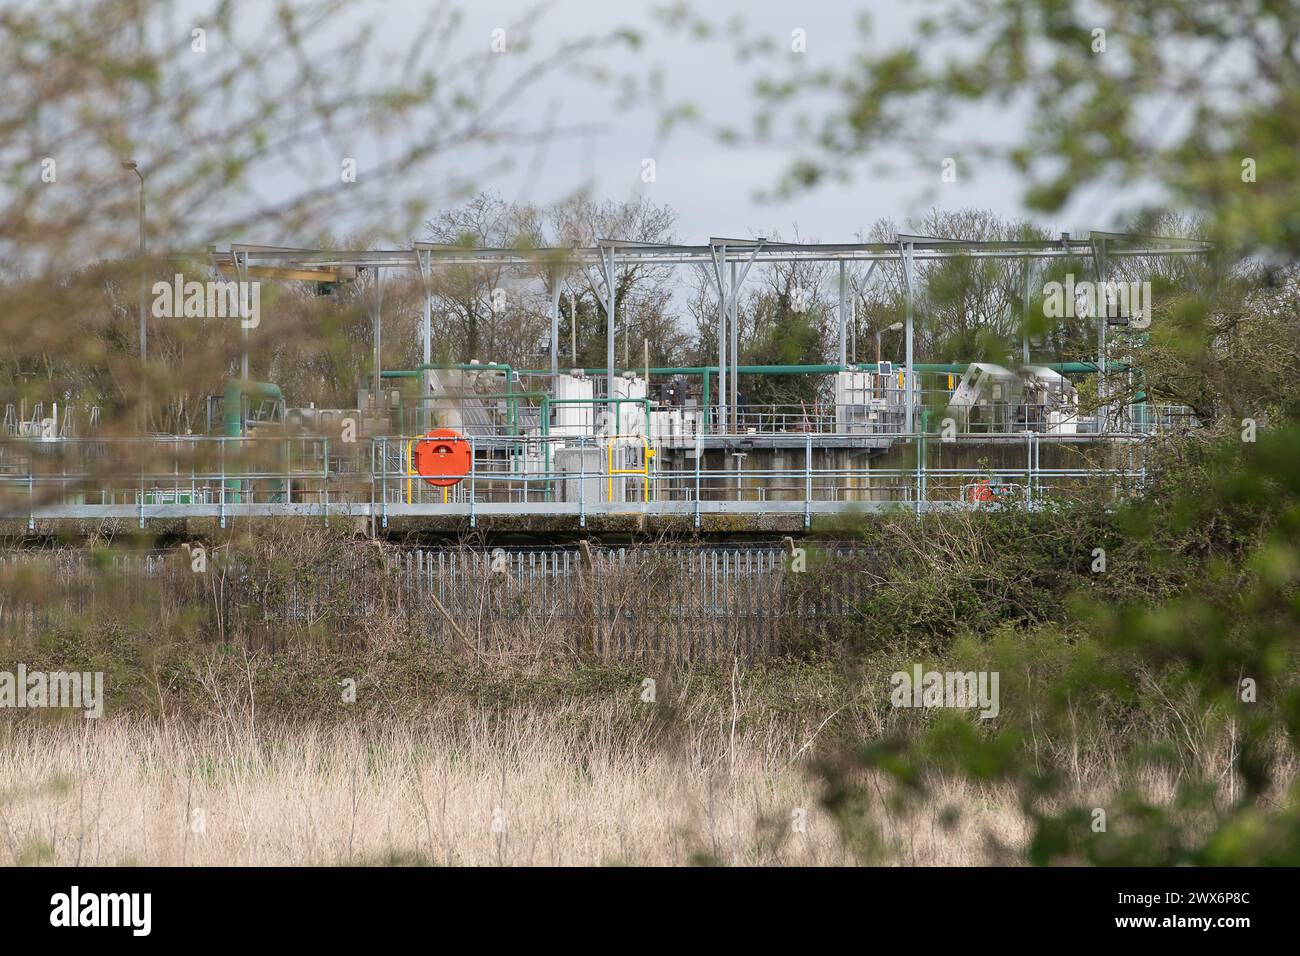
{"x":442,"y":457}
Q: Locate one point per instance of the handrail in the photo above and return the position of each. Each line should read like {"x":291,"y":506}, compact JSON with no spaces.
{"x":644,"y":470}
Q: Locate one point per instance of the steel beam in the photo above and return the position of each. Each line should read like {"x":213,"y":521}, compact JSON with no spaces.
{"x":653,"y":254}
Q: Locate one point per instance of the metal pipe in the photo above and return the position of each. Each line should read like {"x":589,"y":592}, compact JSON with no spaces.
{"x":907,"y":384}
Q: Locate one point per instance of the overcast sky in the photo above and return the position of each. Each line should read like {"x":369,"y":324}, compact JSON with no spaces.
{"x":713,"y":186}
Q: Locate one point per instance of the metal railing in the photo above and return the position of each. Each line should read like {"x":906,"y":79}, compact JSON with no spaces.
{"x":493,"y":416}
{"x":534,"y":475}
{"x":886,"y":418}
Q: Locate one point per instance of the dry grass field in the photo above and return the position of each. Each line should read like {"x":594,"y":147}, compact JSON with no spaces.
{"x":515,"y":745}
{"x":457,"y":789}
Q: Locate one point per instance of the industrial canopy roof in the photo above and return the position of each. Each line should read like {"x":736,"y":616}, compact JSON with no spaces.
{"x":331,"y":265}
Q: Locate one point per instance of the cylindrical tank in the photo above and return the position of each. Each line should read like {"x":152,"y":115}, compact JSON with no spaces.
{"x":631,"y":415}
{"x":572,"y":418}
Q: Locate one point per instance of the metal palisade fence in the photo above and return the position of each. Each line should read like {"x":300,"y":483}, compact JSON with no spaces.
{"x":671,"y":603}
{"x":675,"y":603}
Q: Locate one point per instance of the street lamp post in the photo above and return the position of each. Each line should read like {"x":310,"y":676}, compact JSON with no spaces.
{"x":144,"y":333}
{"x":896,"y":327}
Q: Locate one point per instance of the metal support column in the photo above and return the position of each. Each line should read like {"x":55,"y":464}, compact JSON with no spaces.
{"x":917,"y":492}
{"x":222,"y":498}
{"x":729,"y":310}
{"x":377,"y":322}
{"x":608,"y":256}
{"x":555,"y":328}
{"x":719,"y":268}
{"x":735,"y":351}
{"x":1029,"y":468}
{"x":807,"y":480}
{"x":240,"y":260}
{"x":905,"y":249}
{"x":699,"y":457}
{"x":1099,"y":270}
{"x":573,"y":331}
{"x":582,"y":488}
{"x":473,"y":472}
{"x":1024,"y":320}
{"x":425,"y":262}
{"x":844,"y":314}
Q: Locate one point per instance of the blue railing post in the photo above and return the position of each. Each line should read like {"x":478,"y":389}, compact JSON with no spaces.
{"x":383,"y":481}
{"x":807,"y":481}
{"x":222,"y":509}
{"x":582,"y":486}
{"x":699,"y":457}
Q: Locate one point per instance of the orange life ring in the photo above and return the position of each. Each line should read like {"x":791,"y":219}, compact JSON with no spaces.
{"x":442,"y":457}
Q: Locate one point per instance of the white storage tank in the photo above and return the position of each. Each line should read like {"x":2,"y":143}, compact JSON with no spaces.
{"x":631,"y":415}
{"x":572,"y":418}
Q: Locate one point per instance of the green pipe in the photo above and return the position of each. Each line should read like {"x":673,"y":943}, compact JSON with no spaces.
{"x":707,"y":370}
{"x":233,"y":415}
{"x":546,"y":446}
{"x":236,"y":390}
{"x":416,"y":372}
{"x":606,"y":401}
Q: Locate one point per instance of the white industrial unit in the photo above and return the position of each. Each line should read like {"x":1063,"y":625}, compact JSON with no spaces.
{"x":867,"y":402}
{"x":572,"y":418}
{"x":630,"y":414}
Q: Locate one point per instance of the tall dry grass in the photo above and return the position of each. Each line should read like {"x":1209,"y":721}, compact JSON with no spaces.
{"x":458,"y":789}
